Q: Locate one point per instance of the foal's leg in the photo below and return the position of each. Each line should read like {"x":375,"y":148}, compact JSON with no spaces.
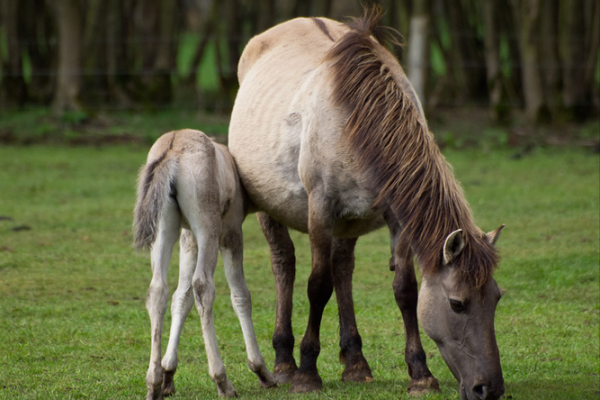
{"x":342,"y":257}
{"x":158,"y":292}
{"x":406,"y":294}
{"x":182,"y":302}
{"x":283,"y":264}
{"x":204,"y":293}
{"x":232,"y":252}
{"x":320,"y":287}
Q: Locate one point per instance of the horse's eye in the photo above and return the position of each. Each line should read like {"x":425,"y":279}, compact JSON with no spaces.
{"x":457,"y":306}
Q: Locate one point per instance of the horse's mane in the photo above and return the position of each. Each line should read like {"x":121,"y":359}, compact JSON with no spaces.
{"x":390,"y":139}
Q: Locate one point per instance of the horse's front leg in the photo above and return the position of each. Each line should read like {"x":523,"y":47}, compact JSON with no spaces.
{"x":406,"y":294}
{"x":357,"y":369}
{"x":283,"y":264}
{"x":320,"y":288}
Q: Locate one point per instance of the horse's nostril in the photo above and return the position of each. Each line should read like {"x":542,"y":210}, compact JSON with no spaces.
{"x":480,"y":391}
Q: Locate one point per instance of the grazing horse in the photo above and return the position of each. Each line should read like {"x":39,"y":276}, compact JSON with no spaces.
{"x":330,"y":139}
{"x":190,"y":182}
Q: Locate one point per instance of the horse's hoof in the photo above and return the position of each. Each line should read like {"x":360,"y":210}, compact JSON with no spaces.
{"x":168,"y":385}
{"x":304,"y":383}
{"x":359,"y":374}
{"x":423,"y":386}
{"x":284,"y":373}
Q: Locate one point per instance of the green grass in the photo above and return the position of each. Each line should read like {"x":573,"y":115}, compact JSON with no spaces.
{"x":73,"y":323}
{"x":39,"y":125}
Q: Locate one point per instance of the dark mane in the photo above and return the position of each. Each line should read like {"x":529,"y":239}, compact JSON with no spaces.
{"x":390,"y":139}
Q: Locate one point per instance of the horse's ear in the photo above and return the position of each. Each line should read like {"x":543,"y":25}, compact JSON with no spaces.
{"x":493,"y":236}
{"x":454,"y":244}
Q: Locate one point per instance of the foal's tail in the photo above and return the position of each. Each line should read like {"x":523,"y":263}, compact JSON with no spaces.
{"x":155,"y":186}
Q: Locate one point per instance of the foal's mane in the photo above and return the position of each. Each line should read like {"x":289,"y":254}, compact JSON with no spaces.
{"x":390,"y":139}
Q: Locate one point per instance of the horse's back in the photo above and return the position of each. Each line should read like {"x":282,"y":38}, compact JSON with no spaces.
{"x":291,"y":41}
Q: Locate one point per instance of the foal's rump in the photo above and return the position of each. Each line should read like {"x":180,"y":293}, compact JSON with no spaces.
{"x":186,"y":168}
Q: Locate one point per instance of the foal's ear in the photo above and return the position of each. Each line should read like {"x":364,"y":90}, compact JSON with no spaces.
{"x":493,"y":236}
{"x":454,"y":244}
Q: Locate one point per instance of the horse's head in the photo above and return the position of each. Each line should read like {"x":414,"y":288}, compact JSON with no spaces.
{"x":459,"y":317}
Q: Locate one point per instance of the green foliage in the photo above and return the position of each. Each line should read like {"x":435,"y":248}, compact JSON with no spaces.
{"x":74,"y":324}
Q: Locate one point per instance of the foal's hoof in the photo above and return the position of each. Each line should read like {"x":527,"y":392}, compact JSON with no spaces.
{"x":168,"y":385}
{"x":224,"y":386}
{"x":154,"y":393}
{"x":284,"y":373}
{"x":304,"y":383}
{"x":423,"y":386}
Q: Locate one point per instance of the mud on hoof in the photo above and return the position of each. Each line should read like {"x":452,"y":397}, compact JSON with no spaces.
{"x":306,"y":382}
{"x":284,"y":373}
{"x":168,"y":384}
{"x":357,"y":373}
{"x":423,"y":386}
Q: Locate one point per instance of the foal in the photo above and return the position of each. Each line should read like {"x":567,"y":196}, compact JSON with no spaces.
{"x":190,"y":182}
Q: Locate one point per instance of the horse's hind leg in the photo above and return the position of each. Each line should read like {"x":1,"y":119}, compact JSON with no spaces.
{"x":342,"y":257}
{"x":182,"y":302}
{"x":204,"y":293}
{"x":158,"y":292}
{"x":283,"y":264}
{"x":232,"y":252}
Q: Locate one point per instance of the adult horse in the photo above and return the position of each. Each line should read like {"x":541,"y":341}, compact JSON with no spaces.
{"x":330,"y":139}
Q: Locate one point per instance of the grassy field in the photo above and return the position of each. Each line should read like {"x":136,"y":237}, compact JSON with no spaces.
{"x":73,"y":323}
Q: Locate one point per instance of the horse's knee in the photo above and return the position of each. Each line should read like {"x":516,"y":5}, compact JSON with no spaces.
{"x":182,"y":299}
{"x":204,"y":290}
{"x":405,"y":291}
{"x":158,"y":294}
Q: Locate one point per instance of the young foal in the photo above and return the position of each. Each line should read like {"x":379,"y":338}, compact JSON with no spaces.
{"x":190,"y":182}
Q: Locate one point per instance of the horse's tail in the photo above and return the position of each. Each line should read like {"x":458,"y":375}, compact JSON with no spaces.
{"x":155,"y":187}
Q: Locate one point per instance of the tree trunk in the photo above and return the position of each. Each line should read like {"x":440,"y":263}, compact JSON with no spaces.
{"x":498,"y":109}
{"x":166,"y":52}
{"x":14,"y":89}
{"x":576,"y":92}
{"x":549,"y":56}
{"x":94,"y":52}
{"x":468,"y":53}
{"x":526,"y":16}
{"x":418,"y":49}
{"x":66,"y":96}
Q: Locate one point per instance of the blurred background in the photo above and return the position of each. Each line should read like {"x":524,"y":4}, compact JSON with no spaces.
{"x":516,"y":62}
